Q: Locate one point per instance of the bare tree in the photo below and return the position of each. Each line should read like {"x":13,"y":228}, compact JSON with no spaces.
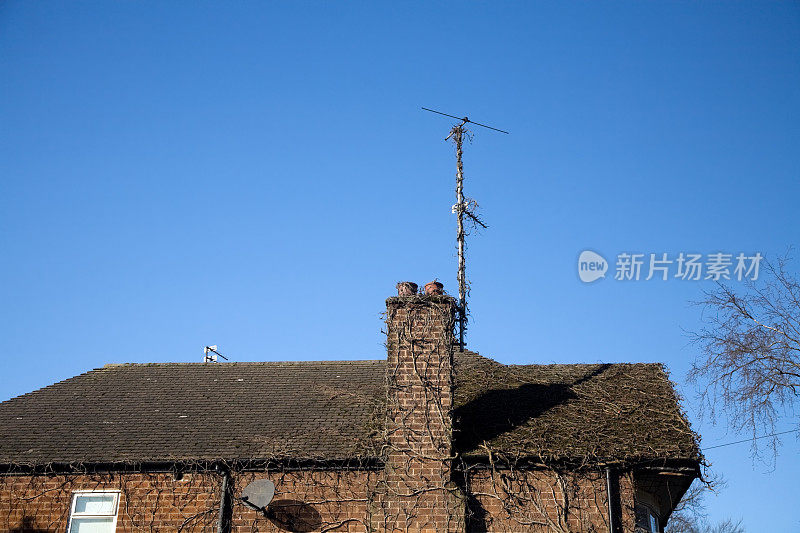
{"x":690,"y":511}
{"x":726,"y":526}
{"x":690,"y":514}
{"x":750,"y":345}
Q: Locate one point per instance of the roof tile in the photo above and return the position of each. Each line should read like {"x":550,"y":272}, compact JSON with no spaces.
{"x":333,"y":410}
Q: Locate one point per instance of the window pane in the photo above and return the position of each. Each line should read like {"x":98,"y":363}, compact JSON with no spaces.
{"x":92,"y":525}
{"x":95,"y":504}
{"x":653,"y":524}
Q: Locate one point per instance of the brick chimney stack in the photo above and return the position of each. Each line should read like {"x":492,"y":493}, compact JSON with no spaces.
{"x":418,"y":489}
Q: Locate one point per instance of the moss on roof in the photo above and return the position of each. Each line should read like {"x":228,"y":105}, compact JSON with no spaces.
{"x":333,"y":410}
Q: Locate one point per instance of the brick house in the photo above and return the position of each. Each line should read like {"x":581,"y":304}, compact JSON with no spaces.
{"x":429,"y":439}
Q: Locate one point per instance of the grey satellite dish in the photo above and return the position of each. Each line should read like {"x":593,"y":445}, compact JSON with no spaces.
{"x":258,"y":494}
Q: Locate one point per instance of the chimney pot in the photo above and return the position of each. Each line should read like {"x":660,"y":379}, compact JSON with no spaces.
{"x":434,"y":287}
{"x":406,"y":288}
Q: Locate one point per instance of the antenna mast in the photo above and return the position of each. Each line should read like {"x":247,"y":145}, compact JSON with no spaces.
{"x":463,"y":206}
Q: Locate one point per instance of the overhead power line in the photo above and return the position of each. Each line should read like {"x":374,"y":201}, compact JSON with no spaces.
{"x":751,"y":440}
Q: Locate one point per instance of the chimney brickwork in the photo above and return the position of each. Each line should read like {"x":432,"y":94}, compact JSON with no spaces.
{"x":418,"y":492}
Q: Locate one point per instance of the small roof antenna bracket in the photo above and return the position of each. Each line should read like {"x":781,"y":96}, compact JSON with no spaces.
{"x":214,"y":354}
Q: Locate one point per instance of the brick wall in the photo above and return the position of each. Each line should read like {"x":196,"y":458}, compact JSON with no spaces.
{"x":304,"y":501}
{"x":310,"y":501}
{"x":535,"y":501}
{"x":417,"y":491}
{"x":157,"y":501}
{"x":342,"y":501}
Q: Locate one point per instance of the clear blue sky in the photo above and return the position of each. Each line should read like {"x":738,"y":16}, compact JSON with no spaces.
{"x":259,"y":175}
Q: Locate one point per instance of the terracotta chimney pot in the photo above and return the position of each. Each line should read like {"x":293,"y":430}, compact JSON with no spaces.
{"x":406,"y":288}
{"x":434,"y":287}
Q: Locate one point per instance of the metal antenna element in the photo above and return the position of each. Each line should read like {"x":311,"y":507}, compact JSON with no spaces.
{"x":463,"y":206}
{"x":465,"y":120}
{"x":214,"y":353}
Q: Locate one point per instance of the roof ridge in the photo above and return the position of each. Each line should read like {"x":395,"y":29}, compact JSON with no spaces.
{"x":230,"y":363}
{"x":599,"y":363}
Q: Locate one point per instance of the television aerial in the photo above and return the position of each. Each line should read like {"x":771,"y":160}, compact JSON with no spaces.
{"x":463,"y":208}
{"x":214,"y":353}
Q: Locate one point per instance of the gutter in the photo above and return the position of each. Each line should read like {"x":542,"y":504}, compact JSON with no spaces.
{"x":169,"y":466}
{"x":613,"y":497}
{"x":225,"y":508}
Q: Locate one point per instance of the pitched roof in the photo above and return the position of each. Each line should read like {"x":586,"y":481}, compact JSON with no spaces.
{"x":625,"y":412}
{"x":334,"y":411}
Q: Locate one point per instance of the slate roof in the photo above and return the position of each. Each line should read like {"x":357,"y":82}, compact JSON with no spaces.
{"x":334,"y":411}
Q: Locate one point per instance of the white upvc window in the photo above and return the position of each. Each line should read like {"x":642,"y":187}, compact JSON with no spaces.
{"x":93,"y":511}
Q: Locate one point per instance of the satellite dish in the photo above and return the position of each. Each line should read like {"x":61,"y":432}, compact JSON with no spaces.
{"x":258,"y":494}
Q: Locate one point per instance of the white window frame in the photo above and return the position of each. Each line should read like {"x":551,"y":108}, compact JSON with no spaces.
{"x":77,"y":493}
